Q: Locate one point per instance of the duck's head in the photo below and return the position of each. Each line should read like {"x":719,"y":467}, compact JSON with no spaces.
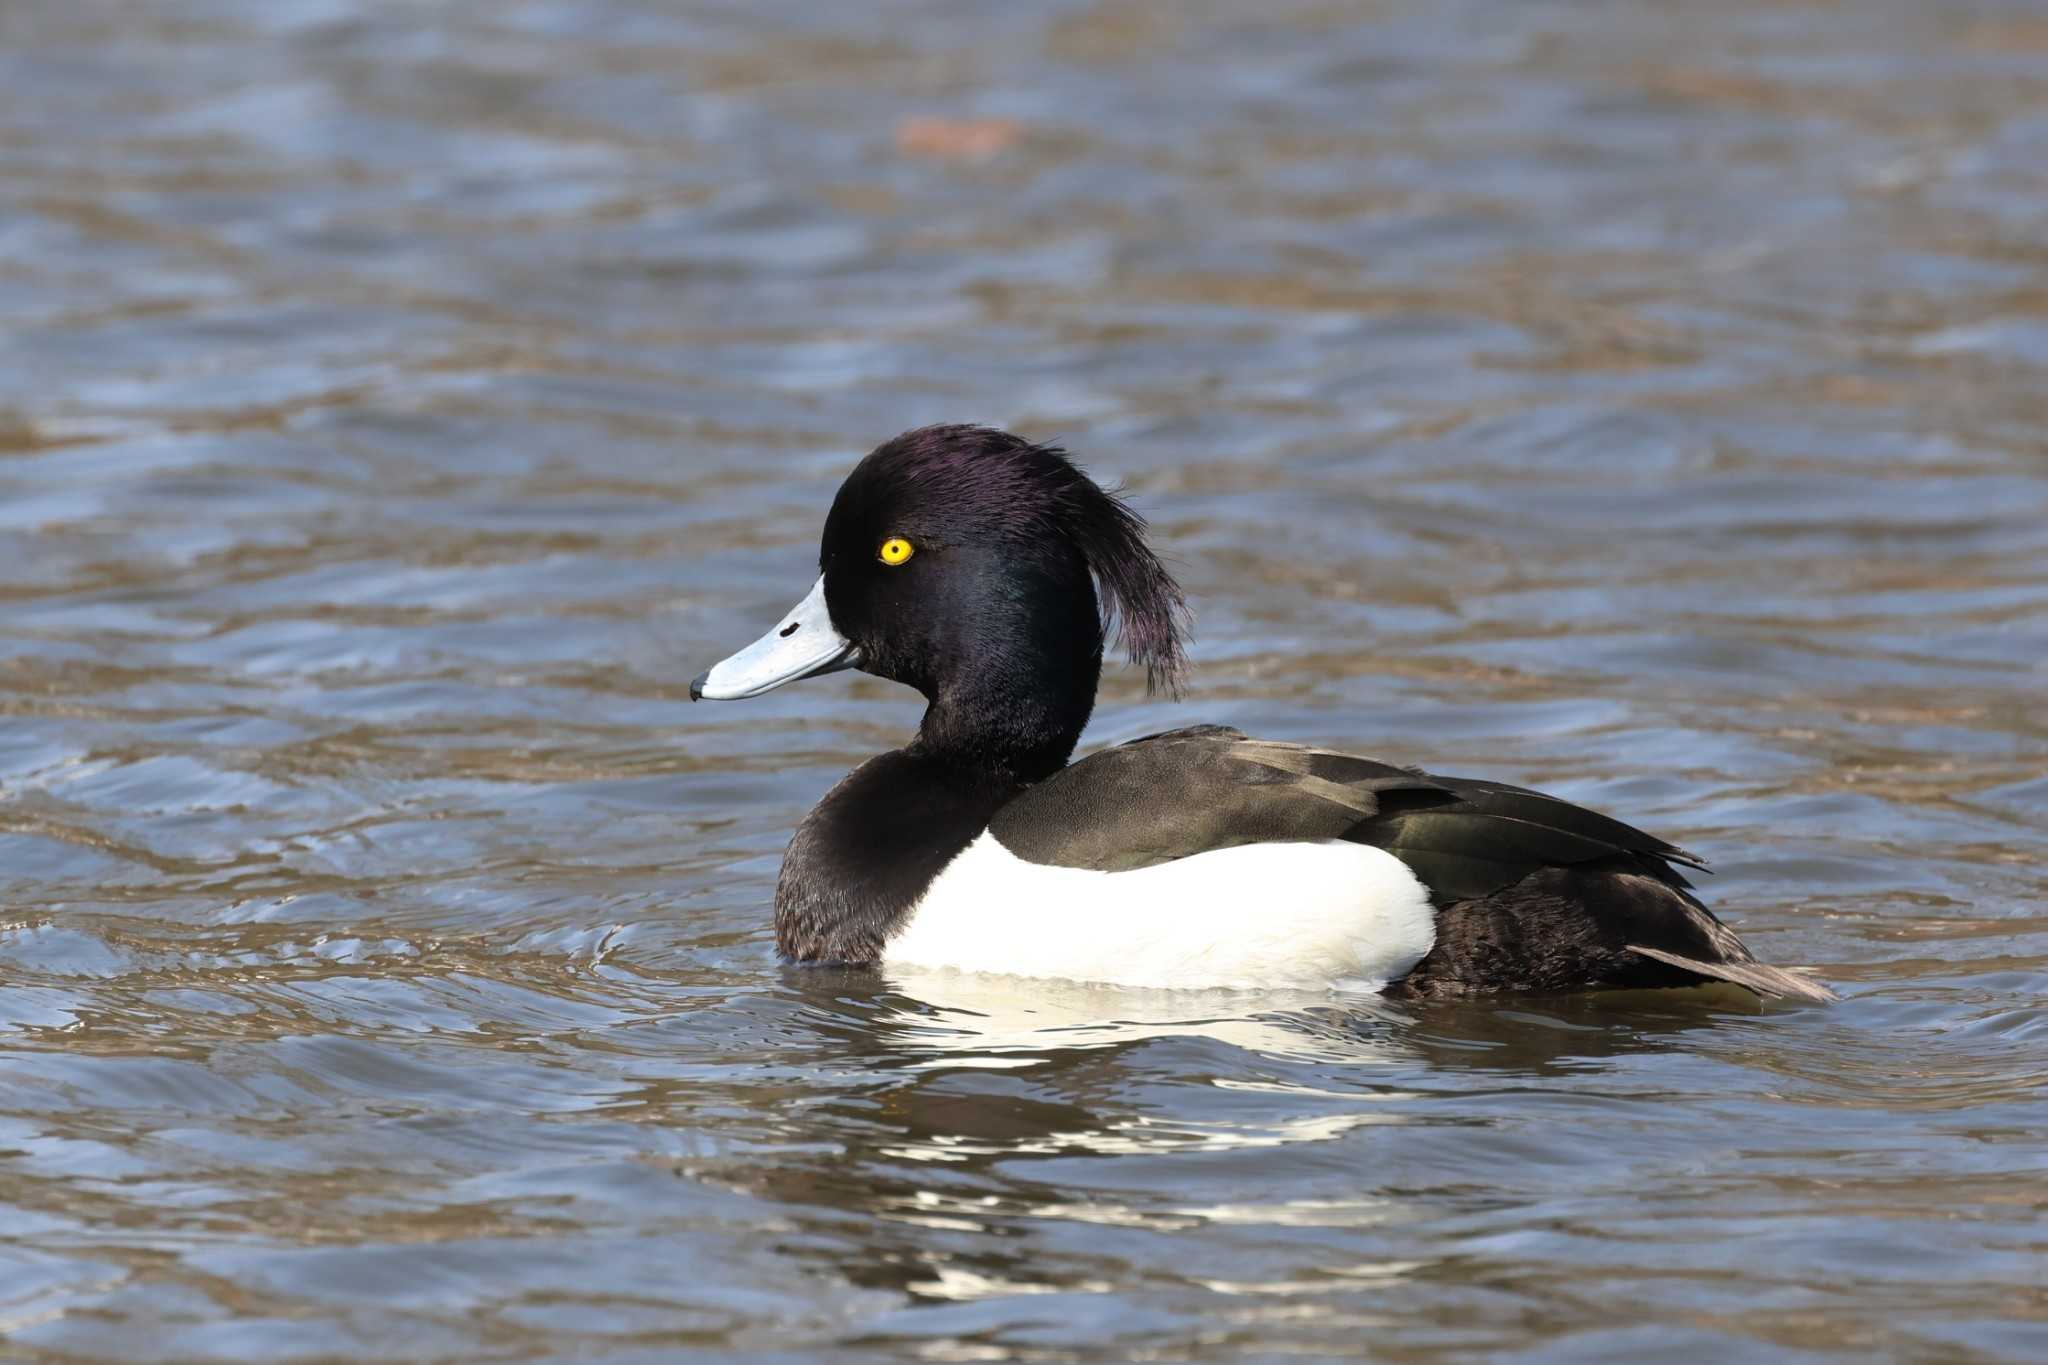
{"x":966,"y":562}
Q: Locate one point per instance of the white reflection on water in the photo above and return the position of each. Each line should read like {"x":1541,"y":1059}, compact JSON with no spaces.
{"x":978,"y":1019}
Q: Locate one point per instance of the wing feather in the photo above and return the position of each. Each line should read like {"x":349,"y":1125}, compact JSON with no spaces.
{"x":1183,"y":792}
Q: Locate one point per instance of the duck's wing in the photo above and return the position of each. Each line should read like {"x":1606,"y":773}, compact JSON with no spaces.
{"x":1184,"y":792}
{"x":1488,"y":835}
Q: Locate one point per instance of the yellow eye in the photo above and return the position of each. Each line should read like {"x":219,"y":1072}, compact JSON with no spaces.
{"x":895,"y":550}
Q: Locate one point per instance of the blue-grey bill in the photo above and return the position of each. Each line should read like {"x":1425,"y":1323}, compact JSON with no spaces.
{"x":802,"y":646}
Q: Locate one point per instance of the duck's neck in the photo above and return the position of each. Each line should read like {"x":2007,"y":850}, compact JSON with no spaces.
{"x":1016,"y":735}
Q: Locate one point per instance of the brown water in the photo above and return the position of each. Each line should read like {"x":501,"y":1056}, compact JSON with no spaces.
{"x":398,"y":403}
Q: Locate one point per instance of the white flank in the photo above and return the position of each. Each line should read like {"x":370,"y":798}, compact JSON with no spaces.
{"x":1258,"y":916}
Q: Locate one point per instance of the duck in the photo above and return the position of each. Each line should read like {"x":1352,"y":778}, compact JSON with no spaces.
{"x":988,"y":572}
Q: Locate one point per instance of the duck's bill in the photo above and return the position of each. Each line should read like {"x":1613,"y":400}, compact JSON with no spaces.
{"x":802,"y":646}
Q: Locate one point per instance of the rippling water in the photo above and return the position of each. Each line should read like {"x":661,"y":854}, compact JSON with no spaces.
{"x":399,"y":403}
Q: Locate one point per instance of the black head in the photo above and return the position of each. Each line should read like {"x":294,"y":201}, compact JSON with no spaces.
{"x":1004,"y":544}
{"x":985,"y":572}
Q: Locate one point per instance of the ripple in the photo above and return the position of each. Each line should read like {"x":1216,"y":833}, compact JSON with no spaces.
{"x":397,"y":410}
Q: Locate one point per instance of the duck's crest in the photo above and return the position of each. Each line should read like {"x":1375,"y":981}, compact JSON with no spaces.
{"x":1138,"y":593}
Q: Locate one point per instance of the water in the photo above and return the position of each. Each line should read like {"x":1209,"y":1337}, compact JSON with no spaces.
{"x":398,"y":404}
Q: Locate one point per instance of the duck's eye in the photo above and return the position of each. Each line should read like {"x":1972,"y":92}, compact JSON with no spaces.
{"x":895,"y":550}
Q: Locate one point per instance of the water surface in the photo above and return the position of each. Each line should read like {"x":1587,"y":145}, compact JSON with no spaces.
{"x":399,"y":403}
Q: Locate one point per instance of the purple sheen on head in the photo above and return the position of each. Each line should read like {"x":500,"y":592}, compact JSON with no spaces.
{"x":955,"y":478}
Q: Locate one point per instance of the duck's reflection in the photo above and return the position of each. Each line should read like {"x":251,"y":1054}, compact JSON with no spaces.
{"x":974,"y":1020}
{"x":986,"y":1135}
{"x":943,"y":1020}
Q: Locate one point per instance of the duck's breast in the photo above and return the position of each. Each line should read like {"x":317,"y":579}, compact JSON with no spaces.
{"x":1255,"y":916}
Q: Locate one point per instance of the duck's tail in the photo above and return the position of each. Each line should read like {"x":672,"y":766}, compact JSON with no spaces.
{"x":1757,"y":976}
